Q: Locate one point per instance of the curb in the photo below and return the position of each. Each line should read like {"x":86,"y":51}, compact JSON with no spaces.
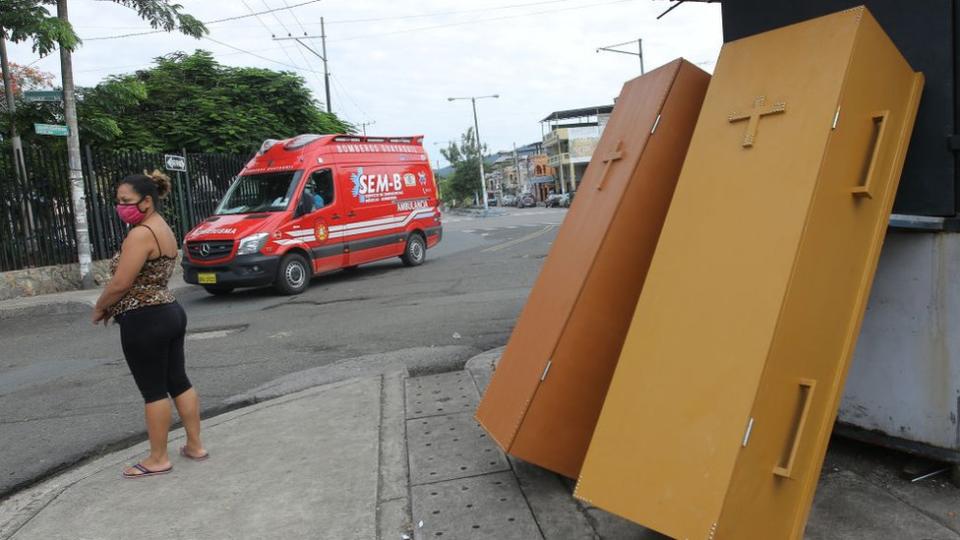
{"x":476,"y":212}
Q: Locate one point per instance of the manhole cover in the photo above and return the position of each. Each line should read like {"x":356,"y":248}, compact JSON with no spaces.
{"x":213,"y":333}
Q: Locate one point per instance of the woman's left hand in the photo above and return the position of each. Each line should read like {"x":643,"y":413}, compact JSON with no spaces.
{"x":100,"y":314}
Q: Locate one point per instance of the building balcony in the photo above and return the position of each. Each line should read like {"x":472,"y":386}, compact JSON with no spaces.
{"x":558,"y":160}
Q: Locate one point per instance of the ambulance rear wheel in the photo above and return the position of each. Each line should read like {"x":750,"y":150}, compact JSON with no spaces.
{"x":416,"y":251}
{"x":293,"y":276}
{"x":218,"y":291}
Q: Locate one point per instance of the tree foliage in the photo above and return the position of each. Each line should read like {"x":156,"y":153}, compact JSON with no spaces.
{"x":465,"y":181}
{"x":26,"y":78}
{"x":30,"y":20}
{"x":190,"y":101}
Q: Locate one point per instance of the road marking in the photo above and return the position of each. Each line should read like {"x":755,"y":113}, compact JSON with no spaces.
{"x":520,"y":240}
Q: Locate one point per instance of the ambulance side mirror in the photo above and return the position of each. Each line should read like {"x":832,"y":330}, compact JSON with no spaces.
{"x":304,"y":206}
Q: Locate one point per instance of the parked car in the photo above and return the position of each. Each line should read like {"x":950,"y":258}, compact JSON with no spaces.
{"x":566,"y":199}
{"x":492,"y":201}
{"x":553,"y":200}
{"x":509,"y":200}
{"x":527,"y":200}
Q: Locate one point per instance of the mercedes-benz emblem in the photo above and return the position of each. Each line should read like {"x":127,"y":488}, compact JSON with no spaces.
{"x":205,"y":250}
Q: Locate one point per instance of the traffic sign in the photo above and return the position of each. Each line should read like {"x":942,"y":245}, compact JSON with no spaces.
{"x":51,"y":129}
{"x":31,"y":96}
{"x":174,"y":162}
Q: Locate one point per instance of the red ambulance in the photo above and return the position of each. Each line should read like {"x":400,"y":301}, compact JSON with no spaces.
{"x":312,"y":204}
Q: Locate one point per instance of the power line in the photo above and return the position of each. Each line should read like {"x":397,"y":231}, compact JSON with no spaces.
{"x":238,"y":49}
{"x":326,"y":82}
{"x":477,"y":21}
{"x":444,"y":13}
{"x":287,"y":30}
{"x":215,"y":21}
{"x":336,"y":82}
{"x":297,"y":19}
{"x":142,"y":64}
{"x":285,"y":53}
{"x":363,"y":20}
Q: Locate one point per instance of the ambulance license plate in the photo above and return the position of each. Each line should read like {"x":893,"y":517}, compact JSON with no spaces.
{"x":207,"y":278}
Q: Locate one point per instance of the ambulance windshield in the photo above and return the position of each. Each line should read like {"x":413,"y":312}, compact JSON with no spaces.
{"x":269,"y":192}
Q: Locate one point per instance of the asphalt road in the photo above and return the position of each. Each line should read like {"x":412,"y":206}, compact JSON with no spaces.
{"x":66,"y":393}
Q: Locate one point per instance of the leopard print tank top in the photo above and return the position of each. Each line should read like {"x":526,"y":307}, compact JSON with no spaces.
{"x":149,"y":287}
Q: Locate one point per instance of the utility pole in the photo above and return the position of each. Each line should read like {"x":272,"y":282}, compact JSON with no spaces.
{"x":19,"y":165}
{"x":323,"y":56}
{"x":476,"y":132}
{"x":516,"y":164}
{"x":363,"y":125}
{"x":639,"y":53}
{"x":74,"y":163}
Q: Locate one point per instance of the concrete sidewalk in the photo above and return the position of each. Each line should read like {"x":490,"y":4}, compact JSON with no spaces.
{"x":392,"y":457}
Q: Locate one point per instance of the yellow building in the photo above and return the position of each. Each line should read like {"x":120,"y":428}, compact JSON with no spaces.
{"x":569,"y":139}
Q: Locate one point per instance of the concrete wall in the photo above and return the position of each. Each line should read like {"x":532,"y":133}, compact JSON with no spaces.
{"x":905,"y":377}
{"x":48,"y":279}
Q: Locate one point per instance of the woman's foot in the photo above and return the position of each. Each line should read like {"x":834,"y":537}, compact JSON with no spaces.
{"x":194,"y":453}
{"x":148,"y":467}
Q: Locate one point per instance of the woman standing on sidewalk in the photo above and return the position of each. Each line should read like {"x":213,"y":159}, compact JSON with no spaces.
{"x":152,"y":323}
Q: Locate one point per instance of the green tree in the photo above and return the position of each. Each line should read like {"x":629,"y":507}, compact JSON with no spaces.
{"x":191,"y":101}
{"x":465,"y":181}
{"x":30,"y":20}
{"x":188,"y":101}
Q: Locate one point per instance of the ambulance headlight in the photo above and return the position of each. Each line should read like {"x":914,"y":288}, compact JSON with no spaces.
{"x":252,"y":243}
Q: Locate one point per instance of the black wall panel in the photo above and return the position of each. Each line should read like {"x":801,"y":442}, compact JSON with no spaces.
{"x":925,"y":32}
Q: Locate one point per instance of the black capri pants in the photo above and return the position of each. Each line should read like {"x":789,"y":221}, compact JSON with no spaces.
{"x":152,"y":339}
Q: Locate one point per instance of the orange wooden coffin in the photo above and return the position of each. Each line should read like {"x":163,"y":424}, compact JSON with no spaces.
{"x":546,"y":394}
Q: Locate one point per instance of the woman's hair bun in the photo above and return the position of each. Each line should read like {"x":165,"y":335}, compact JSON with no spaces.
{"x":162,"y":182}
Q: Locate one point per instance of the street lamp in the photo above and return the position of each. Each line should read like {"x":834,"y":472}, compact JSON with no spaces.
{"x":476,"y":131}
{"x":639,"y":42}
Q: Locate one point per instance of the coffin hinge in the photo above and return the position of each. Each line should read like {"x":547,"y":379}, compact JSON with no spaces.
{"x":746,"y":435}
{"x":655,"y":124}
{"x":836,"y":119}
{"x":543,"y":376}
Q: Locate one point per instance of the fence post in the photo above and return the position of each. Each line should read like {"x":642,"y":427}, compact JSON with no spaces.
{"x":191,"y":212}
{"x":98,"y":236}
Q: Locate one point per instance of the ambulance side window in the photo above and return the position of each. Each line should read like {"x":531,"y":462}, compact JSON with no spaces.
{"x":319,"y":189}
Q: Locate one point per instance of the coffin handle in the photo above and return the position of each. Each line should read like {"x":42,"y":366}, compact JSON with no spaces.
{"x":785,"y":468}
{"x":879,"y":120}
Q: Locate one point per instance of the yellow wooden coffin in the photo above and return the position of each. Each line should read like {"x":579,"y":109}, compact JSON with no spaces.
{"x":720,"y":409}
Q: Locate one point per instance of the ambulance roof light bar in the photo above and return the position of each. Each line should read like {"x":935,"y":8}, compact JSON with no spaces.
{"x":416,"y":139}
{"x":302,"y":140}
{"x":266,"y":146}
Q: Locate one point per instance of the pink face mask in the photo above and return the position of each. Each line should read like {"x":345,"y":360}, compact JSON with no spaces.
{"x":130,"y":213}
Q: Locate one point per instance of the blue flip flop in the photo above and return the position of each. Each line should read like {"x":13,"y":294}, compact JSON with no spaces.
{"x":146,"y":472}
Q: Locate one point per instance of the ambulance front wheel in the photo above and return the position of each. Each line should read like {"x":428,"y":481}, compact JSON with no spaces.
{"x":416,"y":251}
{"x":293,"y":276}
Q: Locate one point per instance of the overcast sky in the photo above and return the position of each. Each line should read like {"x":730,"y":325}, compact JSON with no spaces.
{"x":395,"y":62}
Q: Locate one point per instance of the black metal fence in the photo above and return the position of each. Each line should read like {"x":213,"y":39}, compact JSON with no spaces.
{"x":37,"y":223}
